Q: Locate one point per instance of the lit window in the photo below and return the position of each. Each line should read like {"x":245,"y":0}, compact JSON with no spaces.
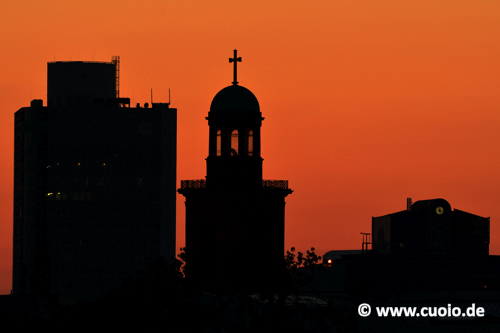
{"x":250,"y":143}
{"x":329,"y":261}
{"x":219,"y":143}
{"x":234,"y":143}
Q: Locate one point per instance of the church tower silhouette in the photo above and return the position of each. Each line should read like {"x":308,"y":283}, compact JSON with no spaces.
{"x":235,"y":220}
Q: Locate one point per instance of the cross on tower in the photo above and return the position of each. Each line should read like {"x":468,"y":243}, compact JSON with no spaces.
{"x":235,"y":59}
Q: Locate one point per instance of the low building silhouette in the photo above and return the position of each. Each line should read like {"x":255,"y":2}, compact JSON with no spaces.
{"x":431,"y":227}
{"x":429,"y":247}
{"x":94,"y":185}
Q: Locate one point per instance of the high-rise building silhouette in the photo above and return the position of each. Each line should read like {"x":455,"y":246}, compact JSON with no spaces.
{"x":235,"y":220}
{"x":94,"y":185}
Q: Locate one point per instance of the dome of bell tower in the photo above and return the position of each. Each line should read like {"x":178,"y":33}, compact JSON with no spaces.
{"x":235,"y":98}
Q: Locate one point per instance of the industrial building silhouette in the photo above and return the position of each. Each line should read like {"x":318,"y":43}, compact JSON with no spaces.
{"x":429,"y":247}
{"x":431,"y":227}
{"x":94,"y":185}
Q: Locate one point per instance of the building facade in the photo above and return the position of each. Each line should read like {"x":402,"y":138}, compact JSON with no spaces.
{"x":429,"y":247}
{"x":235,"y":220}
{"x":431,"y":227}
{"x":94,"y":185}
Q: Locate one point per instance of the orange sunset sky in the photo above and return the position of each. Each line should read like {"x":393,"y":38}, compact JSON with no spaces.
{"x":366,"y":102}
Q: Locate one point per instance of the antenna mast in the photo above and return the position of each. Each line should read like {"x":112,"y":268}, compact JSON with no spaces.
{"x":116,"y":60}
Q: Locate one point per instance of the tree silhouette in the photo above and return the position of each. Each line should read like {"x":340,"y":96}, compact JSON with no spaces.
{"x":301,"y":268}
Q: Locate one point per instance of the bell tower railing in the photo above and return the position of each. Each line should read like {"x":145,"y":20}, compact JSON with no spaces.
{"x":202,"y":183}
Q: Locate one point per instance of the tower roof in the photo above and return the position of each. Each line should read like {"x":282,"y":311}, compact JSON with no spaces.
{"x":235,"y":98}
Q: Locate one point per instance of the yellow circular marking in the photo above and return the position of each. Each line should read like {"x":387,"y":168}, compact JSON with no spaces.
{"x":439,"y":210}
